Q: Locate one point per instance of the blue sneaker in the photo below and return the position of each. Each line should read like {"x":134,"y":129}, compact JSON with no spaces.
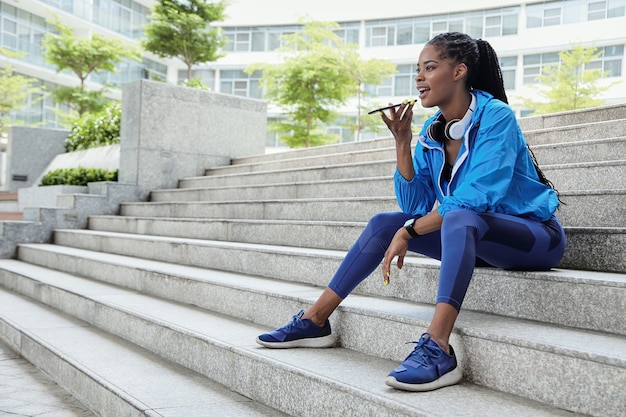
{"x":427,"y":368}
{"x":298,"y":333}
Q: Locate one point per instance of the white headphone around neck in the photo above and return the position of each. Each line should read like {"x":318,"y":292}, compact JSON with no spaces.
{"x":439,"y":130}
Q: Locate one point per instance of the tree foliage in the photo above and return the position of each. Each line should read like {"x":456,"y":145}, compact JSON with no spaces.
{"x":83,"y":56}
{"x":96,"y":129}
{"x":318,"y":73}
{"x":362,"y":72}
{"x":182,"y":29}
{"x":569,"y":85}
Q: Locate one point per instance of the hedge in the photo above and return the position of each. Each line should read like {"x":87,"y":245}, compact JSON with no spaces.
{"x":78,"y":176}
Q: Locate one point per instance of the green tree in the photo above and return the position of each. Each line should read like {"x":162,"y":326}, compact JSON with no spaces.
{"x":362,"y":72}
{"x":182,"y":29}
{"x":15,"y":90}
{"x":318,"y":73}
{"x":569,"y":85}
{"x":83,"y":56}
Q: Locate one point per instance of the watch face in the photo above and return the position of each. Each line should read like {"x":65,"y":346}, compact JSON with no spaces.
{"x":409,"y":222}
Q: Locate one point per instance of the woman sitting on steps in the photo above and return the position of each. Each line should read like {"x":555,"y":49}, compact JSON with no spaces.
{"x":495,"y":207}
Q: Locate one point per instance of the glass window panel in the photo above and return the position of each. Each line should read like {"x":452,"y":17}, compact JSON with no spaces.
{"x":421,"y":31}
{"x":613,"y":68}
{"x":550,"y":58}
{"x":509,"y":25}
{"x":273,"y":41}
{"x":552,"y":17}
{"x":532,"y":59}
{"x":385,"y":88}
{"x":615,"y":50}
{"x":474,"y":26}
{"x":352,"y":36}
{"x":226,"y":87}
{"x":379,"y":36}
{"x":596,"y":10}
{"x":456,"y":26}
{"x":258,"y":41}
{"x":405,"y":34}
{"x":439,"y":27}
{"x":530,"y":74}
{"x":594,"y":65}
{"x":391,"y":35}
{"x":508,"y":76}
{"x":402,"y":86}
{"x":9,"y":26}
{"x":616,"y":8}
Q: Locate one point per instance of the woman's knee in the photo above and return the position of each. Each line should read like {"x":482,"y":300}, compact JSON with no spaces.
{"x":459,"y":219}
{"x":385,"y":220}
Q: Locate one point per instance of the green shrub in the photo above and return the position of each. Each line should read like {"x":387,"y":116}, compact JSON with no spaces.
{"x":78,"y":176}
{"x":96,"y":129}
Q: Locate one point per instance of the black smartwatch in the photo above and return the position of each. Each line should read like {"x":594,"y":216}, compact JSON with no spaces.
{"x":409,"y":227}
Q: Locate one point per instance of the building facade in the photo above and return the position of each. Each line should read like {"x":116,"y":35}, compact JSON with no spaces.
{"x":527,"y":36}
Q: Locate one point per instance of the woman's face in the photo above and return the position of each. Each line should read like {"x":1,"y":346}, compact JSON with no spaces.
{"x":436,"y":78}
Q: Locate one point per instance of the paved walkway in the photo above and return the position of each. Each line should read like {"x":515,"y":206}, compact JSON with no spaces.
{"x":26,"y":391}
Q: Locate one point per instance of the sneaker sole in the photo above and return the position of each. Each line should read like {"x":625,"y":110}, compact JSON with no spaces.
{"x":313,"y":342}
{"x":451,"y":378}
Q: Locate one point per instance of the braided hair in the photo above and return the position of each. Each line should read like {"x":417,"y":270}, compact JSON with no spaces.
{"x":483,"y":71}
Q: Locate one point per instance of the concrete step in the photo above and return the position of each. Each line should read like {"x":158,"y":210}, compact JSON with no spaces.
{"x":532,"y":123}
{"x":112,"y":376}
{"x":356,"y":149}
{"x":606,"y":254}
{"x":586,"y":208}
{"x":571,"y":176}
{"x":572,"y":133}
{"x":587,"y":175}
{"x":574,"y":117}
{"x":594,"y":362}
{"x":551,"y":153}
{"x":578,"y":210}
{"x":595,"y":150}
{"x":574,"y":193}
{"x":527,"y":293}
{"x":592,"y":150}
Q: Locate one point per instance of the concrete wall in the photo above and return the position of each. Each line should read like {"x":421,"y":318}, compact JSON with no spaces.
{"x":171,"y":132}
{"x":29,"y":151}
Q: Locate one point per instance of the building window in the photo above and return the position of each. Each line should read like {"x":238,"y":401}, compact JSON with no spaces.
{"x":447,"y":23}
{"x":380,"y":36}
{"x":508,"y":65}
{"x":616,"y":8}
{"x":596,"y":10}
{"x":256,"y":39}
{"x":478,"y":24}
{"x":400,"y":84}
{"x":404,"y":81}
{"x":349,"y":33}
{"x":552,"y":16}
{"x":239,"y":83}
{"x":534,"y":65}
{"x":544,"y":14}
{"x":610,"y":61}
{"x":23,"y":32}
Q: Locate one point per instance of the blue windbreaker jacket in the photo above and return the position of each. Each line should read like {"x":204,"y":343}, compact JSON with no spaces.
{"x":493,"y":171}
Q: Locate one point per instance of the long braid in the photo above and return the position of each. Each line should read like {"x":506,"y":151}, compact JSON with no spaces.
{"x":483,"y":72}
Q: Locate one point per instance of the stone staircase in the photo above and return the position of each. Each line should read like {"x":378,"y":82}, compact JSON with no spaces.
{"x":154,"y":311}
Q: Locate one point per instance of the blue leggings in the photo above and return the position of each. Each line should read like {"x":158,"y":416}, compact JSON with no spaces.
{"x":466,"y":239}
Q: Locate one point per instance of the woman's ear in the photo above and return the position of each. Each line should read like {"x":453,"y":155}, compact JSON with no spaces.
{"x":460,"y":71}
